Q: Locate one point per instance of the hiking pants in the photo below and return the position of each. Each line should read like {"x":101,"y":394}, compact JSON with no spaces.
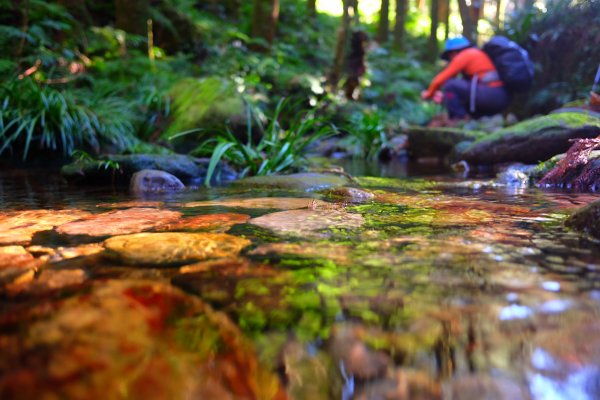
{"x":488,"y":100}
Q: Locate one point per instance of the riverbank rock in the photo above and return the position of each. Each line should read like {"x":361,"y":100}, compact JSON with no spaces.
{"x":119,"y":169}
{"x":532,"y":141}
{"x":437,"y":142}
{"x":154,"y":181}
{"x":304,"y":182}
{"x":172,"y":248}
{"x":209,"y":103}
{"x":586,"y":220}
{"x":120,"y":222}
{"x":129,"y":339}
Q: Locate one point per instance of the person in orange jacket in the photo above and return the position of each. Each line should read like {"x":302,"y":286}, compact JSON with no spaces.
{"x":480,"y":92}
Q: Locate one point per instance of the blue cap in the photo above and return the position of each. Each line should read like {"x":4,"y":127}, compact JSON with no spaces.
{"x":456,"y":43}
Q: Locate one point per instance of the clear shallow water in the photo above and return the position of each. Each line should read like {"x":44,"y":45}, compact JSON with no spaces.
{"x":441,"y":290}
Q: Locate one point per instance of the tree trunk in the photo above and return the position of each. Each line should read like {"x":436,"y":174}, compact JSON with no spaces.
{"x":264,"y":21}
{"x":465,"y":16}
{"x":433,"y":42}
{"x":311,"y":8}
{"x":399,"y":26}
{"x":498,"y":18}
{"x":353,"y":4}
{"x":132,"y":15}
{"x":384,"y":22}
{"x":445,"y":16}
{"x":78,"y":9}
{"x":340,"y":48}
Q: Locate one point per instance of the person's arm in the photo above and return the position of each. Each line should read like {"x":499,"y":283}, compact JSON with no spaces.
{"x":455,"y":66}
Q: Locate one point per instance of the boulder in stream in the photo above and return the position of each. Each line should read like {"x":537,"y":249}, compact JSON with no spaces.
{"x":119,"y":169}
{"x":438,"y":142}
{"x":586,"y":220}
{"x":154,"y":181}
{"x":532,"y":141}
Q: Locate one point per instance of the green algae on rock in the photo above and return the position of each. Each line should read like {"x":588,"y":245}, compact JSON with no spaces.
{"x":308,"y":223}
{"x":586,"y":220}
{"x":129,"y":339}
{"x":172,"y":248}
{"x":303,"y":182}
{"x":532,"y":141}
{"x":120,"y":222}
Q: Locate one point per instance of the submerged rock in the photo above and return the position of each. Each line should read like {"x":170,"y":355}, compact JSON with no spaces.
{"x":129,"y":339}
{"x":281,"y":203}
{"x":19,"y":227}
{"x":586,"y":220}
{"x":350,"y":194}
{"x":308,"y":223}
{"x":212,"y":222}
{"x":533,"y":140}
{"x":154,"y":181}
{"x":305,"y":182}
{"x":48,"y":281}
{"x":172,"y":248}
{"x":120,"y":222}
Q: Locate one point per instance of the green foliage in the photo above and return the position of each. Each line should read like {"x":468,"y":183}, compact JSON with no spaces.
{"x":367,"y":133}
{"x":81,"y":157}
{"x":277,"y":150}
{"x":36,"y":114}
{"x":566,"y":30}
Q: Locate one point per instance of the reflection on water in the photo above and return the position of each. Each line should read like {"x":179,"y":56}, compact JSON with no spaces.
{"x":436,"y":288}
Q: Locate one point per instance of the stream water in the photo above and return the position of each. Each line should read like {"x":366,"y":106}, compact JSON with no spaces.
{"x":434,"y":287}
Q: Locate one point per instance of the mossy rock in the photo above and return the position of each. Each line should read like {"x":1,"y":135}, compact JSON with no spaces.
{"x":532,"y":141}
{"x":586,"y":220}
{"x":437,"y":142}
{"x":209,"y":103}
{"x":304,"y":182}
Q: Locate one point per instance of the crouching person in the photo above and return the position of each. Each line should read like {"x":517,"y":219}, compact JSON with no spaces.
{"x":478,"y":93}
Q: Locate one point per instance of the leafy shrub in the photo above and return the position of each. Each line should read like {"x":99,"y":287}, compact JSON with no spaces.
{"x":277,"y":150}
{"x":36,"y":114}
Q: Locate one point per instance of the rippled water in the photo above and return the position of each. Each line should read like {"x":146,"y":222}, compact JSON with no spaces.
{"x":439,"y":288}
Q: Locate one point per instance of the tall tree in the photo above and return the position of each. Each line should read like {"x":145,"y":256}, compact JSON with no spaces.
{"x":311,"y":8}
{"x":132,"y":15}
{"x":384,"y":22}
{"x":435,"y":19}
{"x":353,"y":4}
{"x":445,"y":17}
{"x":340,"y":48}
{"x":264,"y":21}
{"x":470,"y":14}
{"x":399,"y":26}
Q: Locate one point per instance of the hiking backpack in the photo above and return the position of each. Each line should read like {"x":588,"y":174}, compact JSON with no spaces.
{"x":512,"y":63}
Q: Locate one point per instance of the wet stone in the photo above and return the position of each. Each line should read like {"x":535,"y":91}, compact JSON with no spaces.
{"x":212,"y":222}
{"x":480,"y":386}
{"x":280,"y":203}
{"x":308,"y":223}
{"x":49,"y":280}
{"x":119,"y":222}
{"x":129,"y":339}
{"x":350,"y":194}
{"x":19,"y":227}
{"x":172,"y":248}
{"x":15,"y":257}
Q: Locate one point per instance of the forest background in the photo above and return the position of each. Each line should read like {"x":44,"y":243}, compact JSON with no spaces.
{"x":256,"y":82}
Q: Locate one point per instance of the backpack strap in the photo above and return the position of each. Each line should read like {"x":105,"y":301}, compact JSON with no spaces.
{"x":473,"y":93}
